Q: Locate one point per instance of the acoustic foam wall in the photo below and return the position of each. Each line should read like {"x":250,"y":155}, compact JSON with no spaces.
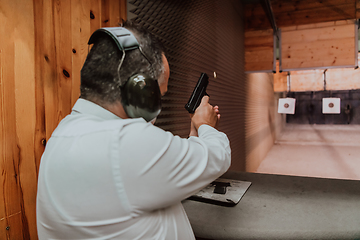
{"x":201,"y":36}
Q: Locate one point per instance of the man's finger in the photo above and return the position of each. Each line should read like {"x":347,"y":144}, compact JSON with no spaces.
{"x":205,"y":100}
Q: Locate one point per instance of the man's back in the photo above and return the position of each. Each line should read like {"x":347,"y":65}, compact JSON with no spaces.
{"x":103,"y":177}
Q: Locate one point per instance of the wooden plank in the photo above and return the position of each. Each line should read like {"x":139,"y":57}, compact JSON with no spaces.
{"x":95,"y":16}
{"x":123,"y":9}
{"x":318,"y":47}
{"x":317,"y":25}
{"x":2,"y":128}
{"x":280,"y":6}
{"x":255,"y":17}
{"x":283,"y":6}
{"x":320,"y":54}
{"x":259,"y":50}
{"x":24,"y":40}
{"x":40,"y":129}
{"x":62,"y":23}
{"x":2,"y":148}
{"x":49,"y":66}
{"x":288,"y":13}
{"x":105,"y":13}
{"x":315,"y":34}
{"x":313,"y":16}
{"x":357,"y":9}
{"x":10,"y":227}
{"x":258,"y":33}
{"x":257,"y":39}
{"x":10,"y":151}
{"x":80,"y":35}
{"x":114,"y":11}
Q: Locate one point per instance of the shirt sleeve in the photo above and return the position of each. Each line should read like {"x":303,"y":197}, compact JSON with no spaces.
{"x":159,"y":169}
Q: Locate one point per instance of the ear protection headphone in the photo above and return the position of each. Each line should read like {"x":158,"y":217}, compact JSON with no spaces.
{"x":140,"y":94}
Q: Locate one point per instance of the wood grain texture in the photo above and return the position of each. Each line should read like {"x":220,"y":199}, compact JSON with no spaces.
{"x":63,"y":42}
{"x":259,"y":50}
{"x":80,"y":32}
{"x":318,"y":47}
{"x":95,"y":15}
{"x":11,"y":197}
{"x":105,"y":13}
{"x":293,"y":12}
{"x":43,"y":47}
{"x":357,"y":9}
{"x":24,"y":68}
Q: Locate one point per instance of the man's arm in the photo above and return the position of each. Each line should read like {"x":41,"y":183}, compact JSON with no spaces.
{"x":165,"y":169}
{"x":160,"y":169}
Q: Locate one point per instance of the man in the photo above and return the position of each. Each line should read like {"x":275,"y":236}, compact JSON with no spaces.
{"x":104,"y":175}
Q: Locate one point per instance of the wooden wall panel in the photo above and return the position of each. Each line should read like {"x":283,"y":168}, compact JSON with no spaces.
{"x":24,"y":68}
{"x":63,"y":37}
{"x":294,"y":12}
{"x":318,"y":47}
{"x":95,"y":15}
{"x":43,"y":46}
{"x":259,"y":50}
{"x":111,"y":12}
{"x":17,"y":83}
{"x":80,"y":32}
{"x":357,"y":9}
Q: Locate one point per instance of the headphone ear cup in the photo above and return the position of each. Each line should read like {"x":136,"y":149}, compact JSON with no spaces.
{"x":141,"y":97}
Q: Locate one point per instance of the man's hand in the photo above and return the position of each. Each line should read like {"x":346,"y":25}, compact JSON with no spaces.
{"x":204,"y":114}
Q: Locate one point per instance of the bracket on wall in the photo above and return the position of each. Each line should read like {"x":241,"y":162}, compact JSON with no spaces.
{"x":356,"y":43}
{"x":277,"y":45}
{"x":324,"y":77}
{"x":288,"y":82}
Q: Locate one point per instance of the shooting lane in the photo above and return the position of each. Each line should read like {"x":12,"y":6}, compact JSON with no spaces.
{"x":311,"y":37}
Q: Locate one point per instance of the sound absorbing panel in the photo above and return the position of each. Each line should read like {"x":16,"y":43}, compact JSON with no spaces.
{"x":201,"y":36}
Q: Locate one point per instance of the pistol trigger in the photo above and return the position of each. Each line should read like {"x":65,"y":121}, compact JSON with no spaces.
{"x":206,"y":94}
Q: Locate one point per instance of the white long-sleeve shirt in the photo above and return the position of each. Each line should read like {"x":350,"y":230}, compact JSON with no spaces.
{"x":103,"y":177}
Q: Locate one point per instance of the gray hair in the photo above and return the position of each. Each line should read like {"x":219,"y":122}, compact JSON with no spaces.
{"x":100,"y":77}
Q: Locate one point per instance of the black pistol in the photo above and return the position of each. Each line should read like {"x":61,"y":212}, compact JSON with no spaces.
{"x":198,"y":93}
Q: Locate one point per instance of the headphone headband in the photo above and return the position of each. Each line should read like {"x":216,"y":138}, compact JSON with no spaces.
{"x":123,"y":38}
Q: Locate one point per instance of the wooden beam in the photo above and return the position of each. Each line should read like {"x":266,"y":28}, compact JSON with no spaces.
{"x":291,"y":12}
{"x":357,"y":9}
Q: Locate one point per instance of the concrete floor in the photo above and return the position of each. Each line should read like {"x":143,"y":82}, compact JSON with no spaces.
{"x":326,"y":151}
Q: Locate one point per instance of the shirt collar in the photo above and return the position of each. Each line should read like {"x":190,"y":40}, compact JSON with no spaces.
{"x":87,"y":107}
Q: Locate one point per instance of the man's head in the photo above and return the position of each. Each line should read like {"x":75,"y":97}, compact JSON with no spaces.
{"x":101,"y":77}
